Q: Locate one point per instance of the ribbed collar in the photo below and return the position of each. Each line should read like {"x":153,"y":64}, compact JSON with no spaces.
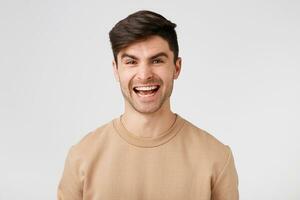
{"x":148,"y":142}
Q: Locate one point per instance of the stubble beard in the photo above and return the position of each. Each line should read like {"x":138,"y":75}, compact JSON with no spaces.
{"x":128,"y":96}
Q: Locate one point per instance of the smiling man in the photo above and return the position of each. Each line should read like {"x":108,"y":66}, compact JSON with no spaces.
{"x":148,"y":152}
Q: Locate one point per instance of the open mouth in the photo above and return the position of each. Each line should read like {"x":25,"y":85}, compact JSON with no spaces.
{"x":146,"y":90}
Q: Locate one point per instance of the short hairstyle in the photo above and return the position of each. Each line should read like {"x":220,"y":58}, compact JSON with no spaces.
{"x":140,"y":26}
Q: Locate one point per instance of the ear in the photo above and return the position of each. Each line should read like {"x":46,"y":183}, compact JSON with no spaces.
{"x":115,"y":70}
{"x":177,"y":68}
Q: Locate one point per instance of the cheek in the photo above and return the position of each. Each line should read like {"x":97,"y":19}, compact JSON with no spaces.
{"x":166,"y":75}
{"x":125,"y":79}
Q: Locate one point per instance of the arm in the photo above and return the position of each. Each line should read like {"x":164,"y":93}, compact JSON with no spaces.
{"x":226,"y":184}
{"x":70,"y":186}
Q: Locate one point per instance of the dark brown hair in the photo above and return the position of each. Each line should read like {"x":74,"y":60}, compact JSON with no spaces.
{"x":139,"y":26}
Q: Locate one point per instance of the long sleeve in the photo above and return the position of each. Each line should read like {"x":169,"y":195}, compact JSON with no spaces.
{"x":70,"y":186}
{"x":226,"y":185}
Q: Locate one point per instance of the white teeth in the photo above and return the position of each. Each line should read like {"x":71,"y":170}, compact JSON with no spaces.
{"x":146,"y":88}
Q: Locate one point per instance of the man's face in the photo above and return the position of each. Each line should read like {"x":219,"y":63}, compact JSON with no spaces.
{"x":146,"y":71}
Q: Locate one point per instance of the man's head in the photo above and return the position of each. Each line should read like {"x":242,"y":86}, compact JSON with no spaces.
{"x":140,"y":26}
{"x":146,"y":61}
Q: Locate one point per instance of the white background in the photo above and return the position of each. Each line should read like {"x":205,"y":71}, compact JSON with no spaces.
{"x":240,"y":81}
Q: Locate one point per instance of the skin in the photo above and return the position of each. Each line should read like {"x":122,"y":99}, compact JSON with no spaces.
{"x":145,"y":63}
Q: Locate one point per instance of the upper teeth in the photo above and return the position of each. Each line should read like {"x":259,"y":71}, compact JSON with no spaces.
{"x":146,"y":88}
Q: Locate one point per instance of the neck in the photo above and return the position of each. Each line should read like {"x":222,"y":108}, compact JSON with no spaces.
{"x":148,"y":124}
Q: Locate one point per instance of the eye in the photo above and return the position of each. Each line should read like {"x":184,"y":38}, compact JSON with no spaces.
{"x":130,"y":62}
{"x":157,"y":61}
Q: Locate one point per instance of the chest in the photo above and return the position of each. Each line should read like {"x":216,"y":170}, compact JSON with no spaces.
{"x":141,"y":174}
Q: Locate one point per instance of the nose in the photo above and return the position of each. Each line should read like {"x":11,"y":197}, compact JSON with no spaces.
{"x":144,"y":72}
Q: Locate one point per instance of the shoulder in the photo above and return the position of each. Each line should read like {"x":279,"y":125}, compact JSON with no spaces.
{"x":199,"y":135}
{"x":218,"y":157}
{"x":93,"y":141}
{"x":207,"y":145}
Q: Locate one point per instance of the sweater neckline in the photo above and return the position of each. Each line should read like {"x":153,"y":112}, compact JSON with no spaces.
{"x":146,"y":141}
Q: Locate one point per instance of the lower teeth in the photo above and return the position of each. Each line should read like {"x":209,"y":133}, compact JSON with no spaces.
{"x":146,"y":92}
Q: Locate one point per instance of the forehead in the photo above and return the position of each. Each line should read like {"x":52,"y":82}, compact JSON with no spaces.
{"x":146,"y":48}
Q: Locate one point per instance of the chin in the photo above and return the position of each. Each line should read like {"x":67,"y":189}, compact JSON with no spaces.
{"x":147,"y":110}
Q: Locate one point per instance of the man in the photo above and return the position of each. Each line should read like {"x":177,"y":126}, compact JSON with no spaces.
{"x":148,"y":152}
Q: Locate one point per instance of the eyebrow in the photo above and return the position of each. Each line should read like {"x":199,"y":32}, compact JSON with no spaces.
{"x":163,"y":54}
{"x":128,"y":55}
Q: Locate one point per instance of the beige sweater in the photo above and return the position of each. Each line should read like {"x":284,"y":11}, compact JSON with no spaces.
{"x":184,"y":163}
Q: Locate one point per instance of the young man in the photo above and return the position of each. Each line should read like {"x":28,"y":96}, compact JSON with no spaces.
{"x":149,"y":152}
